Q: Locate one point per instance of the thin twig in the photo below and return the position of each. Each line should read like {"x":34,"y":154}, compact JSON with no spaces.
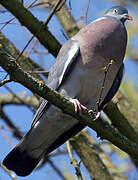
{"x":69,"y":8}
{"x":10,"y":90}
{"x":10,"y":124}
{"x":40,"y":51}
{"x":25,"y":48}
{"x":28,"y":41}
{"x":7,"y":22}
{"x":7,"y":139}
{"x":30,"y":5}
{"x":58,"y":152}
{"x":60,"y":6}
{"x":6,"y":128}
{"x":5,"y":76}
{"x":8,"y":172}
{"x":52,"y":12}
{"x":3,"y":11}
{"x":15,"y":23}
{"x":61,"y":175}
{"x":105,"y":69}
{"x":45,"y":23}
{"x":64,"y":34}
{"x":3,"y":71}
{"x":27,"y":53}
{"x":5,"y":81}
{"x":86,"y":15}
{"x":39,"y":4}
{"x":39,"y":72}
{"x":74,"y":161}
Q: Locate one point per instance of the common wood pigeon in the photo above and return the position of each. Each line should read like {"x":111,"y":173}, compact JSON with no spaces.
{"x":77,"y":74}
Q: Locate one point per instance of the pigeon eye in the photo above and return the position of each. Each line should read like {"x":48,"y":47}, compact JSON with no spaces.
{"x":115,"y":11}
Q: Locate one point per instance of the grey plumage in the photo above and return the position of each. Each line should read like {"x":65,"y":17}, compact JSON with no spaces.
{"x":77,"y":73}
{"x":114,"y":87}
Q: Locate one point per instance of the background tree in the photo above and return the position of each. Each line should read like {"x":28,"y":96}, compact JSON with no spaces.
{"x":32,"y":32}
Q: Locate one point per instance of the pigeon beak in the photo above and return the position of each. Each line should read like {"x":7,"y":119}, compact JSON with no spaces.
{"x":128,"y":17}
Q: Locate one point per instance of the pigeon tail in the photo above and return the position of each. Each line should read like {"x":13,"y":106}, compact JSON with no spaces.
{"x":19,"y":161}
{"x":22,"y":163}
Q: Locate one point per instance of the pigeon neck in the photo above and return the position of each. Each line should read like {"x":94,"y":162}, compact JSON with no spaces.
{"x":122,"y":21}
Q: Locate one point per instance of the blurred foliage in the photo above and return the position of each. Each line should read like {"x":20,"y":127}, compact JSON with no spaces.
{"x":124,"y":165}
{"x":131,"y":92}
{"x":126,"y":2}
{"x":67,"y":173}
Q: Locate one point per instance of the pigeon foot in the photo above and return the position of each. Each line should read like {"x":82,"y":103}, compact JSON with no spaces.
{"x":78,"y":106}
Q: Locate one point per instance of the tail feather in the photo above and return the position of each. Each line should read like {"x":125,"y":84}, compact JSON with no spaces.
{"x":19,"y":161}
{"x":22,"y":163}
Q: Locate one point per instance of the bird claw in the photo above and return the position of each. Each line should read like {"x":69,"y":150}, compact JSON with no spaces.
{"x":97,"y":114}
{"x":78,"y":106}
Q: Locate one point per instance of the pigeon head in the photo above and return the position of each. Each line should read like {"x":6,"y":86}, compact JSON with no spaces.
{"x":119,"y":13}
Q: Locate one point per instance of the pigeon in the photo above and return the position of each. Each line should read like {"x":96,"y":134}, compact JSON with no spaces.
{"x":78,"y":75}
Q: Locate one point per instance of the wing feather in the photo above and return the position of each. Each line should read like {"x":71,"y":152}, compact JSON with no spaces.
{"x":59,"y":71}
{"x":114,"y":88}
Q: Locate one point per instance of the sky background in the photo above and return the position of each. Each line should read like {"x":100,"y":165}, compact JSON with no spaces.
{"x":21,"y":115}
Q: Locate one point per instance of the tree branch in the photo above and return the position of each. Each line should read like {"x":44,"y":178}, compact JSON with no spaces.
{"x":96,"y":161}
{"x":26,"y":63}
{"x":66,"y":20}
{"x":55,"y":168}
{"x":35,"y":26}
{"x":5,"y":81}
{"x":120,"y":122}
{"x":23,"y":99}
{"x":103,"y":129}
{"x":117,"y":113}
{"x":74,"y":162}
{"x":13,"y":128}
{"x":12,"y":176}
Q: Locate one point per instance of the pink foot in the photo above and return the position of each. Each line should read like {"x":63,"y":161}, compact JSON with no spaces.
{"x":78,"y":106}
{"x":98,"y":114}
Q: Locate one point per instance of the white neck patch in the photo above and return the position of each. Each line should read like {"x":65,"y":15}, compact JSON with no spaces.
{"x":99,"y":19}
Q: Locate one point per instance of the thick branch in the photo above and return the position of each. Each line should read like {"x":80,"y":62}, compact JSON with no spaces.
{"x":96,"y":161}
{"x":120,"y":122}
{"x":117,"y":113}
{"x":103,"y":129}
{"x":92,"y":161}
{"x":23,"y":99}
{"x":35,"y":26}
{"x":12,"y":176}
{"x":66,"y":20}
{"x":26,"y":63}
{"x":125,"y":106}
